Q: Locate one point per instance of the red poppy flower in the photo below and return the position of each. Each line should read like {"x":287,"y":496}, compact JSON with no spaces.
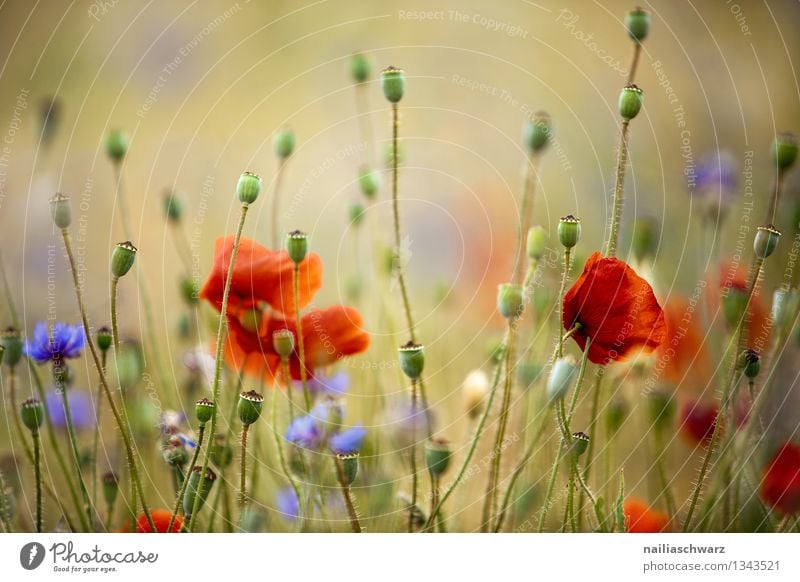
{"x":698,"y":420}
{"x":780,"y":487}
{"x":161,"y":519}
{"x":683,"y":357}
{"x":640,"y":518}
{"x":260,"y":275}
{"x":733,"y":279}
{"x":615,"y":308}
{"x":328,"y":335}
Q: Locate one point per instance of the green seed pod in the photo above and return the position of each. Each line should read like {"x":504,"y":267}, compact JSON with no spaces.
{"x":784,"y":151}
{"x":537,"y":131}
{"x":510,"y":300}
{"x":560,"y":379}
{"x":283,"y":342}
{"x":393,"y":84}
{"x":616,"y":412}
{"x":734,"y":301}
{"x":643,"y":240}
{"x":537,"y":242}
{"x":630,"y":102}
{"x":580,"y":442}
{"x":173,"y":209}
{"x":122,"y":258}
{"x":32,"y":414}
{"x":194,"y":486}
{"x":189,"y":290}
{"x":283,"y":143}
{"x":174,"y":453}
{"x":437,"y":456}
{"x":110,"y":487}
{"x":248,"y":188}
{"x":369,"y":181}
{"x":249,"y":407}
{"x":637,"y":21}
{"x":116,"y":145}
{"x":60,"y":210}
{"x":569,"y":231}
{"x":360,"y":68}
{"x":297,"y":246}
{"x":750,"y":363}
{"x":356,"y":212}
{"x":104,"y":338}
{"x":203,"y":409}
{"x":221,"y":451}
{"x":766,"y":241}
{"x":11,"y":340}
{"x":412,"y":359}
{"x":349,"y":465}
{"x":660,"y":407}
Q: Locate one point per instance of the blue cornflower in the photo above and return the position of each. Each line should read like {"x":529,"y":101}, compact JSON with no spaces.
{"x":334,"y":386}
{"x":305,"y":431}
{"x":322,"y":426}
{"x":348,"y":441}
{"x":287,"y":503}
{"x":66,"y":341}
{"x":80,"y":406}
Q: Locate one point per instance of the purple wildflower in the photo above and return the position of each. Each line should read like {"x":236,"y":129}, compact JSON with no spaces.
{"x":287,"y":503}
{"x":66,"y":341}
{"x":334,"y":386}
{"x":715,"y":182}
{"x":80,"y":406}
{"x":305,"y":431}
{"x":348,"y":441}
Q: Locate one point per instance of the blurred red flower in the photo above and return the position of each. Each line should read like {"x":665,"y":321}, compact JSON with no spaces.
{"x":615,"y":308}
{"x":780,"y":486}
{"x":684,"y":353}
{"x":733,"y":279}
{"x":697,"y":420}
{"x":641,"y":519}
{"x":161,"y":519}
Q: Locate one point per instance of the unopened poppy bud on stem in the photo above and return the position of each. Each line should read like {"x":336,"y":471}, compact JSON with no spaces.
{"x":637,"y":21}
{"x":122,"y":258}
{"x":283,"y":343}
{"x":194,"y":486}
{"x":349,"y":465}
{"x":750,"y":363}
{"x":510,"y":300}
{"x":297,"y":246}
{"x":360,"y":67}
{"x":203,"y":409}
{"x":249,"y":407}
{"x":60,"y":210}
{"x":580,"y":442}
{"x":11,"y":340}
{"x":630,"y":102}
{"x":569,"y":231}
{"x":537,"y":242}
{"x":172,"y":206}
{"x":116,"y":145}
{"x":536,"y":132}
{"x":393,"y":84}
{"x":766,"y":241}
{"x":104,"y":338}
{"x":784,"y":150}
{"x":560,"y":379}
{"x":110,"y":482}
{"x":248,"y":187}
{"x":32,"y":414}
{"x":412,"y":359}
{"x":369,"y":181}
{"x":437,"y":456}
{"x":283,"y":143}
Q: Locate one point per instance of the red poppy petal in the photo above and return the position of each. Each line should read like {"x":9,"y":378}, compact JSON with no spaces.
{"x":641,"y":519}
{"x":161,"y":519}
{"x":780,"y":486}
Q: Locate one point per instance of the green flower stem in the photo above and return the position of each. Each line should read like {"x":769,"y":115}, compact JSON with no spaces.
{"x":126,"y":437}
{"x":526,"y":210}
{"x":776,"y":197}
{"x":726,"y":388}
{"x":561,"y":291}
{"x":637,"y":50}
{"x":490,"y":497}
{"x":5,"y":518}
{"x":666,"y":490}
{"x":300,"y":342}
{"x":348,"y":496}
{"x":276,"y":200}
{"x":473,"y":445}
{"x":619,"y":188}
{"x":221,"y":330}
{"x":278,"y":443}
{"x":362,"y":109}
{"x":96,"y":439}
{"x":37,"y":469}
{"x":73,"y":441}
{"x":593,"y":418}
{"x":179,"y":498}
{"x":413,"y":453}
{"x":243,"y":470}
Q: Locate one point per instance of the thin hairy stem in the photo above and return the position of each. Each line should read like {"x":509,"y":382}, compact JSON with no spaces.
{"x":347,"y":495}
{"x":37,"y":469}
{"x":276,"y":202}
{"x":76,"y":455}
{"x":413,"y":453}
{"x":300,"y":341}
{"x":619,"y":190}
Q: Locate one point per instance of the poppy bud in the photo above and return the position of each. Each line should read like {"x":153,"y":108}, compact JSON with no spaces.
{"x":784,"y":150}
{"x":122,"y":258}
{"x":661,"y":407}
{"x":116,"y":145}
{"x":249,"y":407}
{"x":630,"y":102}
{"x":248,"y":187}
{"x":615,"y":414}
{"x":766,"y":241}
{"x":369,"y":181}
{"x":11,"y":340}
{"x":537,"y":242}
{"x":103,"y":338}
{"x":356,"y":212}
{"x":637,"y":21}
{"x":750,"y":362}
{"x":283,"y":342}
{"x":359,"y":67}
{"x":110,"y":487}
{"x":734,"y":302}
{"x":784,"y":304}
{"x":32,"y":414}
{"x":194,"y":486}
{"x":203,"y":409}
{"x":393,"y":84}
{"x":475,"y":389}
{"x":172,"y":206}
{"x":174,"y":453}
{"x":221,"y":451}
{"x":536,"y":132}
{"x":580,"y":442}
{"x":643,"y":241}
{"x":189,"y":290}
{"x":60,"y":210}
{"x":283,"y":143}
{"x":560,"y":379}
{"x":510,"y":300}
{"x":569,"y":231}
{"x":437,"y":456}
{"x":412,"y":359}
{"x":297,"y":246}
{"x":349,"y":465}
